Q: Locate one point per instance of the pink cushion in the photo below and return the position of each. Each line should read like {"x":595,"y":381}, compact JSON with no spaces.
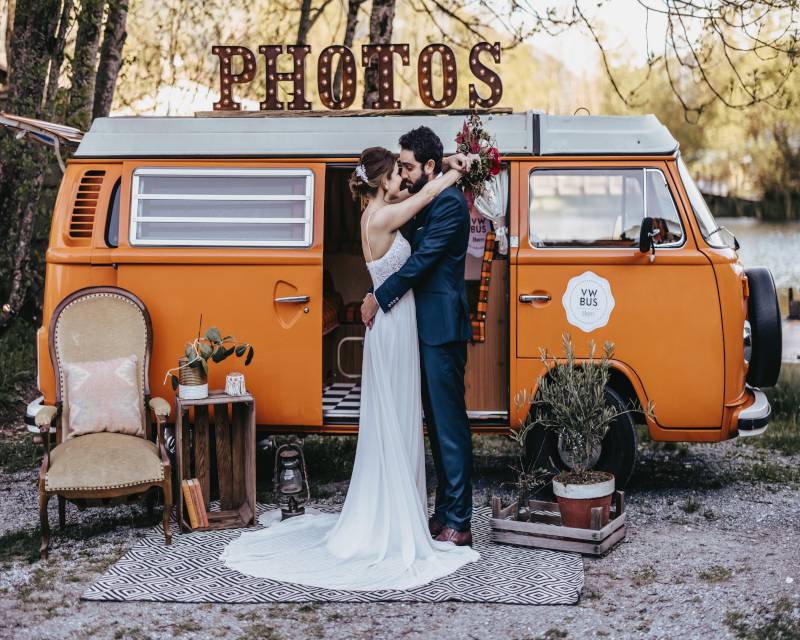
{"x":103,"y":396}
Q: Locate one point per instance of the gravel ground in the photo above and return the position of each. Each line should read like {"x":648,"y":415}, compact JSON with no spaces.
{"x":713,"y":551}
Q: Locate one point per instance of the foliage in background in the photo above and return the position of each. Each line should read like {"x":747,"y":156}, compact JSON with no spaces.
{"x":17,"y":362}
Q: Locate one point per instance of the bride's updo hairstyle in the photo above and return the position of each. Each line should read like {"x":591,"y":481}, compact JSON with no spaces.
{"x":375,"y":163}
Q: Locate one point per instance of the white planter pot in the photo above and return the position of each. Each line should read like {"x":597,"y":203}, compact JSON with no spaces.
{"x":192,"y":391}
{"x":584,"y":491}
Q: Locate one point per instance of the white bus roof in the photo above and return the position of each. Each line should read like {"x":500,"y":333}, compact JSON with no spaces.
{"x":525,"y":133}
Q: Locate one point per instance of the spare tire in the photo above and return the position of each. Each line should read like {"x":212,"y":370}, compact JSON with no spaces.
{"x":764,"y":315}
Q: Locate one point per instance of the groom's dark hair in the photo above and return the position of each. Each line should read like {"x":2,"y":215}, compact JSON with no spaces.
{"x":425,"y":145}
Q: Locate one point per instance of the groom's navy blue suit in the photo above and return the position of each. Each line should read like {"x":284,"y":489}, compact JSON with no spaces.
{"x":439,"y":235}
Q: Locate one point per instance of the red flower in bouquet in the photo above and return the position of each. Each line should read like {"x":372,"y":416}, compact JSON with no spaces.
{"x":473,"y":138}
{"x":494,"y":156}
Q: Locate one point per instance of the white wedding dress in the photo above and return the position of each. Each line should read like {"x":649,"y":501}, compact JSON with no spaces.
{"x":380,"y":540}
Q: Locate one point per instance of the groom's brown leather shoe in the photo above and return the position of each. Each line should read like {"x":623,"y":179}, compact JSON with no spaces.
{"x":434,"y":526}
{"x":459,"y":538}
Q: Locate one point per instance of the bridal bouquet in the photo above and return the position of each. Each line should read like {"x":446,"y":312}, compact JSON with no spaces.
{"x":473,"y":138}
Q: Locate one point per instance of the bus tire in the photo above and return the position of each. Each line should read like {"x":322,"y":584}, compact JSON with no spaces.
{"x":764,"y":315}
{"x":617,"y":451}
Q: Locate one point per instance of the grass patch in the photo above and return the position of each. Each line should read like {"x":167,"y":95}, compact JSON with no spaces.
{"x":770,"y":472}
{"x":780,"y":623}
{"x":715,"y":573}
{"x":20,"y":545}
{"x":19,"y":453}
{"x":17,"y":361}
{"x":644,"y":576}
{"x":690,"y":505}
{"x":781,"y":435}
{"x":260,"y":631}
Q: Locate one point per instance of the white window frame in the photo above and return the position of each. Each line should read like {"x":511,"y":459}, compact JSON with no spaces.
{"x":234,"y":172}
{"x":644,"y":170}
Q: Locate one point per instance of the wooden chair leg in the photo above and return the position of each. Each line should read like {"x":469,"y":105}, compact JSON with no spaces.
{"x":167,"y":511}
{"x":62,"y":512}
{"x":44,"y":498}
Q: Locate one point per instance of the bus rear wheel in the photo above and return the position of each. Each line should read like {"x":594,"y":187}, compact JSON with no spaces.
{"x":616,"y":454}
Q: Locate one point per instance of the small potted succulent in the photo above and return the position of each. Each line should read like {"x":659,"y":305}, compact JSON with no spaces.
{"x":192,"y":379}
{"x":571,"y":402}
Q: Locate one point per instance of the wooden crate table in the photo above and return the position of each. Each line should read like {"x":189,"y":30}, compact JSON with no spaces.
{"x":235,"y":440}
{"x":545,"y":531}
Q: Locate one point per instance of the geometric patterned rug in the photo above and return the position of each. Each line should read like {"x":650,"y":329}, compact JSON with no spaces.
{"x":189,"y":571}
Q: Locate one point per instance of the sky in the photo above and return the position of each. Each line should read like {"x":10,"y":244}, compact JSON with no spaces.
{"x":622,"y":31}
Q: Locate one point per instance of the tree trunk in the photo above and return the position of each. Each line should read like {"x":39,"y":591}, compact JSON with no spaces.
{"x":84,"y":63}
{"x":380,"y":32}
{"x":23,"y":163}
{"x":305,"y":21}
{"x":9,"y":28}
{"x":110,"y":57}
{"x":349,"y":33}
{"x":57,"y":59}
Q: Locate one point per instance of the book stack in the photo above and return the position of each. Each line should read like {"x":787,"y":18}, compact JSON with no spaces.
{"x":195,"y":505}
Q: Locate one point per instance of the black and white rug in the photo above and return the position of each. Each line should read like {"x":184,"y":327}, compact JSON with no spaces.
{"x":189,"y":571}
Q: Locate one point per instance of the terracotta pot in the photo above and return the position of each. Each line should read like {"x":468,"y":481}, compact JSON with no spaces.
{"x":576,"y":501}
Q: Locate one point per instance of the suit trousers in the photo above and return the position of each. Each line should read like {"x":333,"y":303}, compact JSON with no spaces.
{"x":448,"y":430}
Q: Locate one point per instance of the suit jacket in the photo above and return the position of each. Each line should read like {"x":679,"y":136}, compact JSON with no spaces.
{"x":435,"y":271}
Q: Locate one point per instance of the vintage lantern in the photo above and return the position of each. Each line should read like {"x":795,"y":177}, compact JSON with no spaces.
{"x":290,"y":480}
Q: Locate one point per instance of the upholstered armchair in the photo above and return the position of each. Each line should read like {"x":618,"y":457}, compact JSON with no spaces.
{"x":100,"y":340}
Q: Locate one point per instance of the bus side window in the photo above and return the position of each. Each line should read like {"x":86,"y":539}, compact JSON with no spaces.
{"x":112,"y":219}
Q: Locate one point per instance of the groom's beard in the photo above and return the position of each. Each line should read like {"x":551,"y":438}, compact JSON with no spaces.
{"x":417,"y":185}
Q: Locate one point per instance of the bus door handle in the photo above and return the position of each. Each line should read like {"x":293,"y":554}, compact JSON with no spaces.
{"x":294,"y":299}
{"x":526,"y":298}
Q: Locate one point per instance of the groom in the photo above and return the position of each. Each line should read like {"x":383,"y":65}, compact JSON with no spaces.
{"x":435,"y":271}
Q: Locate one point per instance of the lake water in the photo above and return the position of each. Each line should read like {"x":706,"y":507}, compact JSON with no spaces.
{"x":776,"y":246}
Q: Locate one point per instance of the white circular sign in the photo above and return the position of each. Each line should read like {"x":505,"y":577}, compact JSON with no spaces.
{"x":588,"y":301}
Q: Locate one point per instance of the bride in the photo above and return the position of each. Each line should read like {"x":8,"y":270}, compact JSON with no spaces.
{"x":380,"y":540}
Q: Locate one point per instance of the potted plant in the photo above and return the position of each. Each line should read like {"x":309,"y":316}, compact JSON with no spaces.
{"x":571,"y":402}
{"x":192,"y":379}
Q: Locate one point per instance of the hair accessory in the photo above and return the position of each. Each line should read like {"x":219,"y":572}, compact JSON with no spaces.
{"x":361,"y":172}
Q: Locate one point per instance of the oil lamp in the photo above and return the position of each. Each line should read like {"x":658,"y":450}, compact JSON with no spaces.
{"x":290,"y":480}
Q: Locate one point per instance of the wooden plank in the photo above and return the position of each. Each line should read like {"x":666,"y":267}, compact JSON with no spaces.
{"x":201,"y":451}
{"x":534,"y":528}
{"x":496,"y":507}
{"x":250,"y":461}
{"x":613,"y":539}
{"x":545,"y":543}
{"x":350,"y":113}
{"x":596,"y":518}
{"x":486,"y":374}
{"x":224,"y":470}
{"x":238,"y":435}
{"x":216,"y":397}
{"x":246,"y":514}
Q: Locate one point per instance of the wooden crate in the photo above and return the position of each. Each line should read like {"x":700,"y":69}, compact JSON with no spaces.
{"x":235,"y":439}
{"x":546,"y":531}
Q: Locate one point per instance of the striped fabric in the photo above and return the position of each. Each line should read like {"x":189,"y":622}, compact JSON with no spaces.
{"x":478,"y":317}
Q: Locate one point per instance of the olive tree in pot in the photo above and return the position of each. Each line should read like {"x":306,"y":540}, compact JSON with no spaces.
{"x":571,"y":402}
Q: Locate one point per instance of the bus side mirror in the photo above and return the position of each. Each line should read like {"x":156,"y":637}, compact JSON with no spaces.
{"x":646,"y":240}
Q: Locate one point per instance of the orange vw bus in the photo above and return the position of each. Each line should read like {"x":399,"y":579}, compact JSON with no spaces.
{"x":249,"y":222}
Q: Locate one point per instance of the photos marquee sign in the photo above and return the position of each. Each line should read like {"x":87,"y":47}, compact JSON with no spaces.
{"x":382,"y":57}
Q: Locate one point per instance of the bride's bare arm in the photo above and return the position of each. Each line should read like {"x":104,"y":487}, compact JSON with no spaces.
{"x":457,"y":161}
{"x":393,"y":216}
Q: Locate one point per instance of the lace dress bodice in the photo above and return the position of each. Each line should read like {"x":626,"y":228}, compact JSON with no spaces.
{"x":391,"y":261}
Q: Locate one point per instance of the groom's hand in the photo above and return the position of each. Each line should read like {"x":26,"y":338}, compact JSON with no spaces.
{"x":369,"y":307}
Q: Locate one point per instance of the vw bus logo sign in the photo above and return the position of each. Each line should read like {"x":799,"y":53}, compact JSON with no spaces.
{"x":588,"y":301}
